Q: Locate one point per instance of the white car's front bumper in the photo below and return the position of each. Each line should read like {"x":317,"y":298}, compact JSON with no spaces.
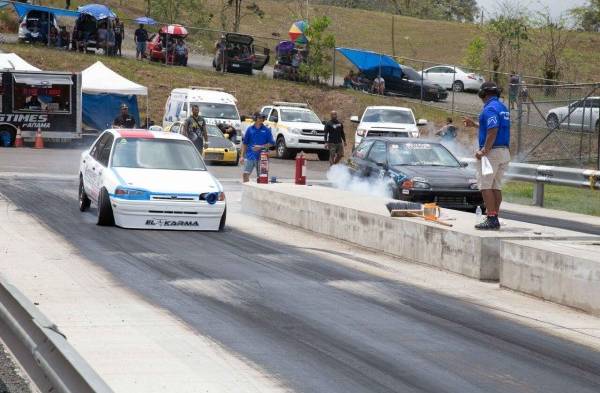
{"x":182,"y":216}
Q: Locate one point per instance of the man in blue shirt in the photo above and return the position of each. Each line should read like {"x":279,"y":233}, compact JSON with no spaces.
{"x":494,"y":143}
{"x":258,"y":137}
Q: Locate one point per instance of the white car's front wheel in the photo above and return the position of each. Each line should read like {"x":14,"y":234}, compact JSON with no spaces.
{"x":458,"y":86}
{"x":105,"y":213}
{"x":552,"y":122}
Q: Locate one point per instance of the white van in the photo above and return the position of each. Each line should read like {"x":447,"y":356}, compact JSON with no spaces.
{"x":387,"y":121}
{"x":216,"y":106}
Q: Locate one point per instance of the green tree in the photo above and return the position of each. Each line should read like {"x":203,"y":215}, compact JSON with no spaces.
{"x":235,"y":11}
{"x":550,"y":40}
{"x":475,"y":52}
{"x":505,"y":35}
{"x":187,"y":12}
{"x":588,"y":16}
{"x":317,"y":66}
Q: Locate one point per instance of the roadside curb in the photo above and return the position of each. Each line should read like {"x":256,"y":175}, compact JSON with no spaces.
{"x":59,"y":367}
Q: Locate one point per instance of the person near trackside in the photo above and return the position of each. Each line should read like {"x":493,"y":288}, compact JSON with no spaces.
{"x":448,"y":132}
{"x":124,"y":120}
{"x":335,"y":139}
{"x":194,"y":128}
{"x":141,"y":38}
{"x":494,"y":141}
{"x":258,"y":137}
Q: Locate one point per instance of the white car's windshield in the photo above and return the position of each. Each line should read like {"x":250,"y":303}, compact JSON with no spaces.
{"x":217,"y":111}
{"x":299,"y":116}
{"x":156,"y":154}
{"x":374,"y":115}
{"x":419,"y":153}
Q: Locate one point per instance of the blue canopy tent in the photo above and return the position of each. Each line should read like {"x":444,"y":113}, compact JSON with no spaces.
{"x":23,"y":8}
{"x":145,"y":20}
{"x":98,"y":11}
{"x":103,"y":92}
{"x":372,"y":64}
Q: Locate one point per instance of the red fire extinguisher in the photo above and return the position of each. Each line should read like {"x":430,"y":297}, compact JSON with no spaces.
{"x":263,"y":168}
{"x":300,"y":169}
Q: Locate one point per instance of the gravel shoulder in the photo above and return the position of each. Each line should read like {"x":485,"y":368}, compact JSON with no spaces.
{"x":11,"y":379}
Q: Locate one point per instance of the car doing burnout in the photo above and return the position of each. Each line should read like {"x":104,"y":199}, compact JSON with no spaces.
{"x":150,"y":180}
{"x":417,"y":170}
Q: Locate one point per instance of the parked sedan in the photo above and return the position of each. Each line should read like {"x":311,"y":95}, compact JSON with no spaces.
{"x":453,"y":78}
{"x":417,"y":170}
{"x":410,"y":84}
{"x":150,"y":180}
{"x":581,"y":115}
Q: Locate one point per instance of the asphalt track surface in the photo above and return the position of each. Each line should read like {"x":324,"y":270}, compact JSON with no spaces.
{"x":277,"y":308}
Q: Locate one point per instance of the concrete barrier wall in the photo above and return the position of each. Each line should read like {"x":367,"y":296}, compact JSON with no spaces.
{"x":564,"y":272}
{"x":365,"y":221}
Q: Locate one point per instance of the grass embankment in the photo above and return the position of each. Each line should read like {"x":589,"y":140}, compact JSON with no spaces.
{"x":252,"y":92}
{"x":438,"y":41}
{"x":555,"y":197}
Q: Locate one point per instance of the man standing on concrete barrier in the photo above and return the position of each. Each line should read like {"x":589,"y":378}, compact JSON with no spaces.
{"x":494,"y":142}
{"x":258,"y":137}
{"x":335,"y":139}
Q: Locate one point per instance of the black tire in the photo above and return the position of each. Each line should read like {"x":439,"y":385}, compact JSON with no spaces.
{"x":323,"y":155}
{"x":458,"y":87}
{"x":84,"y":201}
{"x":223,"y":219}
{"x":598,"y":126}
{"x":552,"y":122}
{"x":282,"y":150}
{"x":105,"y":213}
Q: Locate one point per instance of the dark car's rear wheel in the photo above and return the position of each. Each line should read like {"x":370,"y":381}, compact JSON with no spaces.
{"x":105,"y":213}
{"x":84,"y":201}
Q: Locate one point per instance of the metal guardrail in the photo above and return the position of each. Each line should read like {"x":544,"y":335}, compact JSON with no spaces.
{"x":49,"y":360}
{"x":541,"y":175}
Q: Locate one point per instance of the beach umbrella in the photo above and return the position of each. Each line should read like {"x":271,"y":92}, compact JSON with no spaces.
{"x":174,"y":30}
{"x":145,"y":20}
{"x":296,"y":32}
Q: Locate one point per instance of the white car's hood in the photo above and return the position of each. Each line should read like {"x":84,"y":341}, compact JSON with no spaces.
{"x":389,"y":126}
{"x":168,"y":181}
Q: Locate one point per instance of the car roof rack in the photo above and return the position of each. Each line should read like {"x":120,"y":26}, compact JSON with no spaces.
{"x":294,"y":104}
{"x":207,"y":88}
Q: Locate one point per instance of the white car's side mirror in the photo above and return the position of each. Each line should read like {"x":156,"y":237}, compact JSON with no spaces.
{"x":421,"y":122}
{"x":354,"y":119}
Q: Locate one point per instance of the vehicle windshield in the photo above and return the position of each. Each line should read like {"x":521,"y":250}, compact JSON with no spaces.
{"x":375,"y":115}
{"x":149,"y":153}
{"x":217,"y":111}
{"x":421,"y":154}
{"x":411,"y":74}
{"x":214,"y":131}
{"x":299,"y":116}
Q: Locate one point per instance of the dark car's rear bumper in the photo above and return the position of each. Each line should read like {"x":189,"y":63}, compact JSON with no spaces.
{"x":239,"y":66}
{"x":451,"y":199}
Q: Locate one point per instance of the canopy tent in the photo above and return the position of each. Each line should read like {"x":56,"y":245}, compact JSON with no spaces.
{"x":98,"y":11}
{"x":145,"y":20}
{"x":12,"y":61}
{"x":23,"y":8}
{"x":104,"y":91}
{"x":372,"y":64}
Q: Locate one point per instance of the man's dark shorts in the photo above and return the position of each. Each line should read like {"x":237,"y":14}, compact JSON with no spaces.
{"x":336,"y":149}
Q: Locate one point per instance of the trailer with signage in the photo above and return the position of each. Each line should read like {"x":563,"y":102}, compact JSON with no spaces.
{"x":48,"y":101}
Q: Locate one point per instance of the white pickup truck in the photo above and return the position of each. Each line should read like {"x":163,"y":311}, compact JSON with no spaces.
{"x":295,"y":128}
{"x":387,"y":121}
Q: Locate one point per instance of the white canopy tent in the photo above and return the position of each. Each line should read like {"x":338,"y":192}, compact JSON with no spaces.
{"x":98,"y":80}
{"x":12,"y":61}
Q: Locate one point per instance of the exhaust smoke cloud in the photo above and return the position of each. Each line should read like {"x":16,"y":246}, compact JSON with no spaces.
{"x":340,"y":177}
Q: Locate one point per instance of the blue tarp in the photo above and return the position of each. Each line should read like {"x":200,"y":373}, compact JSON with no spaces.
{"x":372,"y":64}
{"x":99,"y":110}
{"x":98,"y":11}
{"x":23,"y":8}
{"x":145,"y":20}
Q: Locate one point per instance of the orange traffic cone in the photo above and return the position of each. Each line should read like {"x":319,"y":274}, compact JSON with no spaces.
{"x":39,"y":140}
{"x":18,"y":139}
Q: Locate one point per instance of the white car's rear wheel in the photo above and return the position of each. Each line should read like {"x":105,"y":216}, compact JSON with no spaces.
{"x":552,"y":121}
{"x":84,"y":201}
{"x":458,"y":86}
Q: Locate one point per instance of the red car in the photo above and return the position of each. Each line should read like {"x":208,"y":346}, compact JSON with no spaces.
{"x":164,"y":46}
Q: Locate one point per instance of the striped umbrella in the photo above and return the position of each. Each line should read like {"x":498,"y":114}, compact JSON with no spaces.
{"x":174,"y":30}
{"x":296,"y":32}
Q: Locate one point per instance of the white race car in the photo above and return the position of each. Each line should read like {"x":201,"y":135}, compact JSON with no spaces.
{"x":150,"y":180}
